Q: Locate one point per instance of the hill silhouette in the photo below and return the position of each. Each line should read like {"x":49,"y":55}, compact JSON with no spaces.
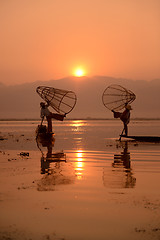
{"x":22,"y":101}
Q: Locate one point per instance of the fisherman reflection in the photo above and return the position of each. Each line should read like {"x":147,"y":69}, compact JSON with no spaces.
{"x":49,"y":157}
{"x":123,"y":161}
{"x":121,"y":175}
{"x":54,"y":167}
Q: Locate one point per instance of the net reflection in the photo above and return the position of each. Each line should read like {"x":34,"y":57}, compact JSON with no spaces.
{"x":54,"y":167}
{"x":121,"y":175}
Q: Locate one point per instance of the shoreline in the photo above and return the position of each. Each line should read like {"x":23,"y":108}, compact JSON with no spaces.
{"x":78,"y":119}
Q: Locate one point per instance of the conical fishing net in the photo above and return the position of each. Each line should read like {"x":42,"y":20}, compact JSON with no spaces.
{"x":60,"y":100}
{"x":115,"y":97}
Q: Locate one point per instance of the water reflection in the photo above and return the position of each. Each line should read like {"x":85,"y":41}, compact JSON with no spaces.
{"x":123,"y":161}
{"x":79,"y":163}
{"x":54,"y":167}
{"x":77,"y":124}
{"x":121,"y":175}
{"x":77,"y":128}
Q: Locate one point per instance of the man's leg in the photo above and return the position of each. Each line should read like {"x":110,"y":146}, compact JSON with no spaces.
{"x":49,"y":120}
{"x":126,"y":129}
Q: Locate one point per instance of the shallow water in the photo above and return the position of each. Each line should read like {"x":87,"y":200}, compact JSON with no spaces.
{"x":85,"y":185}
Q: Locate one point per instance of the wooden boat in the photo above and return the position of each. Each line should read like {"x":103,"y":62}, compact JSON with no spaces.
{"x":143,"y":138}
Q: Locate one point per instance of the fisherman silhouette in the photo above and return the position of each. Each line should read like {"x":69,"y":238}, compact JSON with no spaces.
{"x":49,"y":115}
{"x":124,"y":116}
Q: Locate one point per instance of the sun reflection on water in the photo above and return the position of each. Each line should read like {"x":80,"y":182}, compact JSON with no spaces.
{"x":78,"y":129}
{"x":77,"y":124}
{"x":79,"y":164}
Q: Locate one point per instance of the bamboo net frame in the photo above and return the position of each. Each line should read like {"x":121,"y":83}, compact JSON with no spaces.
{"x":115,"y":97}
{"x":62,"y":101}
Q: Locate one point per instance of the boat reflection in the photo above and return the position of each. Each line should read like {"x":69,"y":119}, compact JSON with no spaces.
{"x":121,"y":175}
{"x":54,"y":167}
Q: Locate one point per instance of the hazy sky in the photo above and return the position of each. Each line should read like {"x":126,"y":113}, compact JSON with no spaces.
{"x":48,"y":39}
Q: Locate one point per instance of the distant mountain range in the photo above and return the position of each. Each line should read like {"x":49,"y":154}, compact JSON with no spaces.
{"x":22,"y":101}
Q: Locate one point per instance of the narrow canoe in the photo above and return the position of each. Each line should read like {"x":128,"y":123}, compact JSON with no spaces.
{"x":143,"y":138}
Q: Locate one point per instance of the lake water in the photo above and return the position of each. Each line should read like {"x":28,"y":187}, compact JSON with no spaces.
{"x":85,"y":185}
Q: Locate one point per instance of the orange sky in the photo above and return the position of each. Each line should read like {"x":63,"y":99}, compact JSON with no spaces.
{"x":43,"y":40}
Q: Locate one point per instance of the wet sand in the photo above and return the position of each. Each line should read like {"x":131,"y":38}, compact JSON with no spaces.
{"x":84,"y":184}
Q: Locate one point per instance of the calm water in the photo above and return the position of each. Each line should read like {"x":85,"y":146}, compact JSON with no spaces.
{"x":76,"y":186}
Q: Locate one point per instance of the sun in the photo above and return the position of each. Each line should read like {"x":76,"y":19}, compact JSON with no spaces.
{"x":79,"y":72}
